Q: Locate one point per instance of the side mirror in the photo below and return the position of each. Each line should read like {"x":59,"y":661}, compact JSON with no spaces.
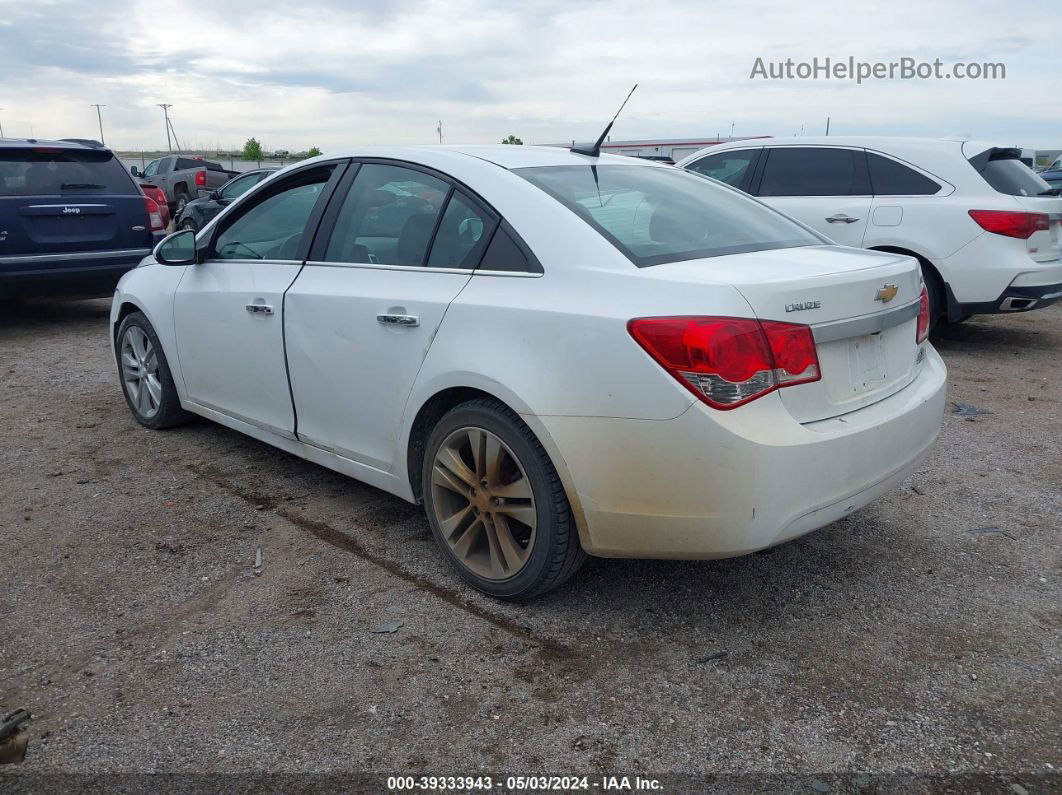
{"x":135,"y":171}
{"x":177,"y":249}
{"x":215,"y":195}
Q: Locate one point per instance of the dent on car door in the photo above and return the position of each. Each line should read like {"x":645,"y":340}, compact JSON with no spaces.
{"x":228,"y":309}
{"x":825,"y":187}
{"x":359,"y":320}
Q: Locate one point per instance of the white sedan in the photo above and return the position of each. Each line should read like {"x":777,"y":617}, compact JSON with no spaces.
{"x":558,"y":354}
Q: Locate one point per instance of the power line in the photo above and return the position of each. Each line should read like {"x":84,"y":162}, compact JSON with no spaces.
{"x":99,"y":118}
{"x":166,"y":112}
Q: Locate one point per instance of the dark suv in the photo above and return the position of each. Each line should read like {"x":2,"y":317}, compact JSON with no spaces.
{"x":72,"y":220}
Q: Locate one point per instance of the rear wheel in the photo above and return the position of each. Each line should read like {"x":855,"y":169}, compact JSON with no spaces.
{"x":936,"y":297}
{"x":181,"y":200}
{"x":495,"y":504}
{"x":146,"y":380}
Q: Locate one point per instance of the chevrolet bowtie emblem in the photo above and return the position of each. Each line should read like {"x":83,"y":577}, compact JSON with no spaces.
{"x":886,"y":293}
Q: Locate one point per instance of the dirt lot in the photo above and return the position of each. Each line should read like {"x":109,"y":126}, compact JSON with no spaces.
{"x":920,"y":634}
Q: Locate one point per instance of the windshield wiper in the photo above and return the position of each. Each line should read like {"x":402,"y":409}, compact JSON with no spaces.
{"x":1050,"y":192}
{"x":81,"y":186}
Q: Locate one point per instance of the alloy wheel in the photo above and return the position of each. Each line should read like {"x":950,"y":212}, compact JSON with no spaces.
{"x":483,"y":503}
{"x":140,"y":372}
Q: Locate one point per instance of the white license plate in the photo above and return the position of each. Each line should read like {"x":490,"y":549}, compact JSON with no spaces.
{"x":866,"y":362}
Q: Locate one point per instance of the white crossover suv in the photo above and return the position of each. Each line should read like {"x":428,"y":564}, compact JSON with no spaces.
{"x":985,"y":228}
{"x":557,"y":353}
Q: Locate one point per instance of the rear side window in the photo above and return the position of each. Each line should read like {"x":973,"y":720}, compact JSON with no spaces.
{"x":889,"y":178}
{"x":44,"y":171}
{"x":462,"y":235}
{"x":503,"y":254}
{"x":733,"y":168}
{"x":1007,"y":174}
{"x":814,"y":171}
{"x":656,"y":214}
{"x":388,"y":216}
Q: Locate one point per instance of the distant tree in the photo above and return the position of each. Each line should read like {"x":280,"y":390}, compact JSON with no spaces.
{"x":512,"y":139}
{"x":313,"y":151}
{"x":252,"y":150}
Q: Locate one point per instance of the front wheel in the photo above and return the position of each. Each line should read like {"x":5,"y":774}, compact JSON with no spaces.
{"x":146,"y":380}
{"x":495,"y":504}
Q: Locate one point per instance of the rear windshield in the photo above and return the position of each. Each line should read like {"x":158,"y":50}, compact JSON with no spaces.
{"x":62,"y":172}
{"x":187,"y":162}
{"x":1007,"y":174}
{"x":657,"y":215}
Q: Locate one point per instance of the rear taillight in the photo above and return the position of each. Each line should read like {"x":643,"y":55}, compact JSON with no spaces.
{"x":728,"y":361}
{"x":1011,"y":223}
{"x":200,"y":179}
{"x":154,"y":215}
{"x":923,"y":317}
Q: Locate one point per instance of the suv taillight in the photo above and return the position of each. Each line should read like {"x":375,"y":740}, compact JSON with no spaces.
{"x":728,"y":361}
{"x":1011,"y":223}
{"x":923,"y":317}
{"x":200,"y":179}
{"x":154,"y":215}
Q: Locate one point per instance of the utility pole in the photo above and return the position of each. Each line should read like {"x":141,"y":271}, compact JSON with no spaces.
{"x":439,"y":130}
{"x":166,"y":113}
{"x":827,"y":125}
{"x":731,"y":131}
{"x":99,"y":118}
{"x":1,"y":128}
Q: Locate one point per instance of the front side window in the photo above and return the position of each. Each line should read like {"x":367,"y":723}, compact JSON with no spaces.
{"x":659,"y":214}
{"x":152,"y":168}
{"x":889,"y":178}
{"x":733,"y":168}
{"x":388,"y":216}
{"x":45,"y":171}
{"x":814,"y":171}
{"x":273,"y":227}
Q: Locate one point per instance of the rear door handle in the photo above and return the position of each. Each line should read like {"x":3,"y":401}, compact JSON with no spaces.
{"x":841,"y":218}
{"x":259,"y":309}
{"x":398,"y":320}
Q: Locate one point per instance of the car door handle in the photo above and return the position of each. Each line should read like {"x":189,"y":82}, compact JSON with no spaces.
{"x":259,"y":309}
{"x":841,"y":218}
{"x":398,"y":320}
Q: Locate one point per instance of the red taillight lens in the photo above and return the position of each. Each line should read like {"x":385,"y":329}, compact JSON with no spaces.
{"x":154,"y":215}
{"x":728,"y":361}
{"x":1011,"y":223}
{"x":200,"y":179}
{"x":923,"y":317}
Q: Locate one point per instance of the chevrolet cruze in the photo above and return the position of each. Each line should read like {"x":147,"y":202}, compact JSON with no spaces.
{"x":557,"y":354}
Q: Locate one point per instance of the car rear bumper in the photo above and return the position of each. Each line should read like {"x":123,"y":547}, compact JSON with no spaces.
{"x":1016,"y":298}
{"x":86,"y":273}
{"x":712,"y":484}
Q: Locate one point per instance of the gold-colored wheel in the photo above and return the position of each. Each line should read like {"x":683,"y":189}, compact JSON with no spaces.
{"x":483,"y":503}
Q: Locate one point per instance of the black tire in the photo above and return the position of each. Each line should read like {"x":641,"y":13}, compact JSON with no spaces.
{"x":180,"y":201}
{"x":936,"y":298}
{"x":555,"y":554}
{"x":169,"y":412}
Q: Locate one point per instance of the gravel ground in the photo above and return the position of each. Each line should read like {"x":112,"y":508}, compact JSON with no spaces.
{"x":920,"y":634}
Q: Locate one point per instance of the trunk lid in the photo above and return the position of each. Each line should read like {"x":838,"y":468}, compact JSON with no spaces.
{"x":865,"y":344}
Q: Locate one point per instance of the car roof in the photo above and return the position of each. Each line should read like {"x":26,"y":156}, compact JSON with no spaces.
{"x":33,"y":143}
{"x":900,"y":146}
{"x":504,"y":155}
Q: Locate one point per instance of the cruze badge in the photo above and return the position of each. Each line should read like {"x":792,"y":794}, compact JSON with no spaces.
{"x":886,"y":293}
{"x":800,"y":306}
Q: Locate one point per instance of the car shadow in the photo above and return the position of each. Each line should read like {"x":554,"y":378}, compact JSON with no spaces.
{"x":45,"y":313}
{"x":994,"y":332}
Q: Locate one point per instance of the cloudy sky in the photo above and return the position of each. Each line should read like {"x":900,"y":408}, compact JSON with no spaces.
{"x":335,"y":73}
